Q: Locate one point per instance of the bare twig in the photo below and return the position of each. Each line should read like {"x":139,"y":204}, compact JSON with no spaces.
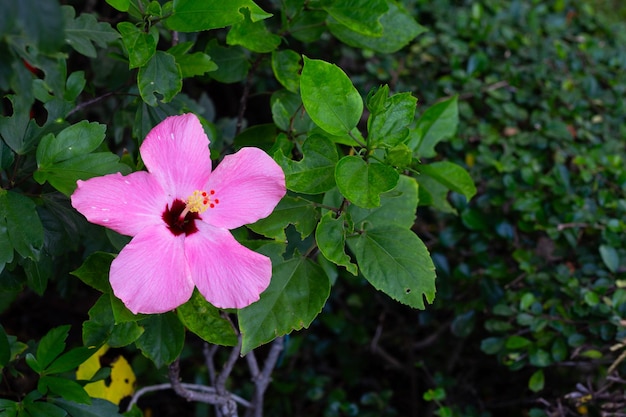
{"x":262,"y":378}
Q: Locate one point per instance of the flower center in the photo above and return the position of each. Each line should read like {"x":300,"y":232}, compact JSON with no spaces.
{"x":181,"y":216}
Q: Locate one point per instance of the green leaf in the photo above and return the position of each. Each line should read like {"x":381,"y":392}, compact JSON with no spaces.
{"x":205,"y":320}
{"x":191,"y":65}
{"x":437,"y":123}
{"x":23,"y":224}
{"x":73,"y":141}
{"x":140,"y":45}
{"x":81,"y":33}
{"x":70,"y":360}
{"x":163,"y":338}
{"x":98,"y":328}
{"x":196,"y":16}
{"x":297,"y":211}
{"x":517,"y":342}
{"x":38,"y":273}
{"x":452,"y":176}
{"x":330,"y":236}
{"x":295,"y":296}
{"x":288,"y":115}
{"x":97,"y":408}
{"x":63,"y":175}
{"x":463,"y":324}
{"x":43,"y":409}
{"x":362,"y":182}
{"x":121,"y":5}
{"x":361,"y":16}
{"x":252,"y":35}
{"x":433,"y":193}
{"x":161,"y":75}
{"x":18,"y":130}
{"x":6,"y":248}
{"x":395,"y":261}
{"x":329,"y":97}
{"x":42,"y":23}
{"x":287,"y":65}
{"x":610,"y":257}
{"x":5,"y":348}
{"x":399,"y":28}
{"x":397,"y":207}
{"x":51,"y":345}
{"x":95,"y":271}
{"x":314,"y":174}
{"x":390,"y":126}
{"x":232,"y":62}
{"x":536,"y":381}
{"x":492,"y":345}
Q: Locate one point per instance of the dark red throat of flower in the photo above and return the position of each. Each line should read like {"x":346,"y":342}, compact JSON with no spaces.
{"x":178,"y":226}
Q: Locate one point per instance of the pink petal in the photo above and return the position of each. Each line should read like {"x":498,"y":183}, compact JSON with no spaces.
{"x":226,"y":273}
{"x":126,"y":204}
{"x":150,"y":275}
{"x":248,"y":185}
{"x":176,"y":151}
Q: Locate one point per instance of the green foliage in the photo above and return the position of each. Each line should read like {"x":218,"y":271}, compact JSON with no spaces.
{"x":81,"y":94}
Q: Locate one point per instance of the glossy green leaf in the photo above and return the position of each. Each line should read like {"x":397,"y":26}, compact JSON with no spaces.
{"x":252,"y":35}
{"x":232,"y":62}
{"x":162,"y":76}
{"x":163,"y":338}
{"x":395,"y":261}
{"x":73,"y":141}
{"x":329,"y":97}
{"x":536,"y":381}
{"x":492,"y":345}
{"x":452,"y":176}
{"x":361,"y":16}
{"x":397,"y":207}
{"x":121,"y":5}
{"x":314,"y":174}
{"x":390,"y":125}
{"x":51,"y":345}
{"x":400,"y":156}
{"x":287,"y":65}
{"x":63,"y":175}
{"x":23,"y":225}
{"x":205,"y":320}
{"x":83,"y":32}
{"x":362,"y":183}
{"x":437,"y":123}
{"x":198,"y":15}
{"x":95,"y":271}
{"x":297,"y":211}
{"x":97,"y":408}
{"x":70,"y":360}
{"x":295,"y":296}
{"x":191,"y":65}
{"x":140,"y":45}
{"x":399,"y":28}
{"x":330,"y":236}
{"x":610,"y":257}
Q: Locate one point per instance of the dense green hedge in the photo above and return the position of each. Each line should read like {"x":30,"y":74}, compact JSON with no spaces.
{"x":530,"y":307}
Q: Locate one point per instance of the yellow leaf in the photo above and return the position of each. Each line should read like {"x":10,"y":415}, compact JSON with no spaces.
{"x":122,"y":379}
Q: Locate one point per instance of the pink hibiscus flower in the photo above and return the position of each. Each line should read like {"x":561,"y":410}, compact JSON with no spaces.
{"x":179,"y":214}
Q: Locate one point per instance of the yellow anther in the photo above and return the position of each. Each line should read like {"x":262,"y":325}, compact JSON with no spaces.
{"x":198,"y":202}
